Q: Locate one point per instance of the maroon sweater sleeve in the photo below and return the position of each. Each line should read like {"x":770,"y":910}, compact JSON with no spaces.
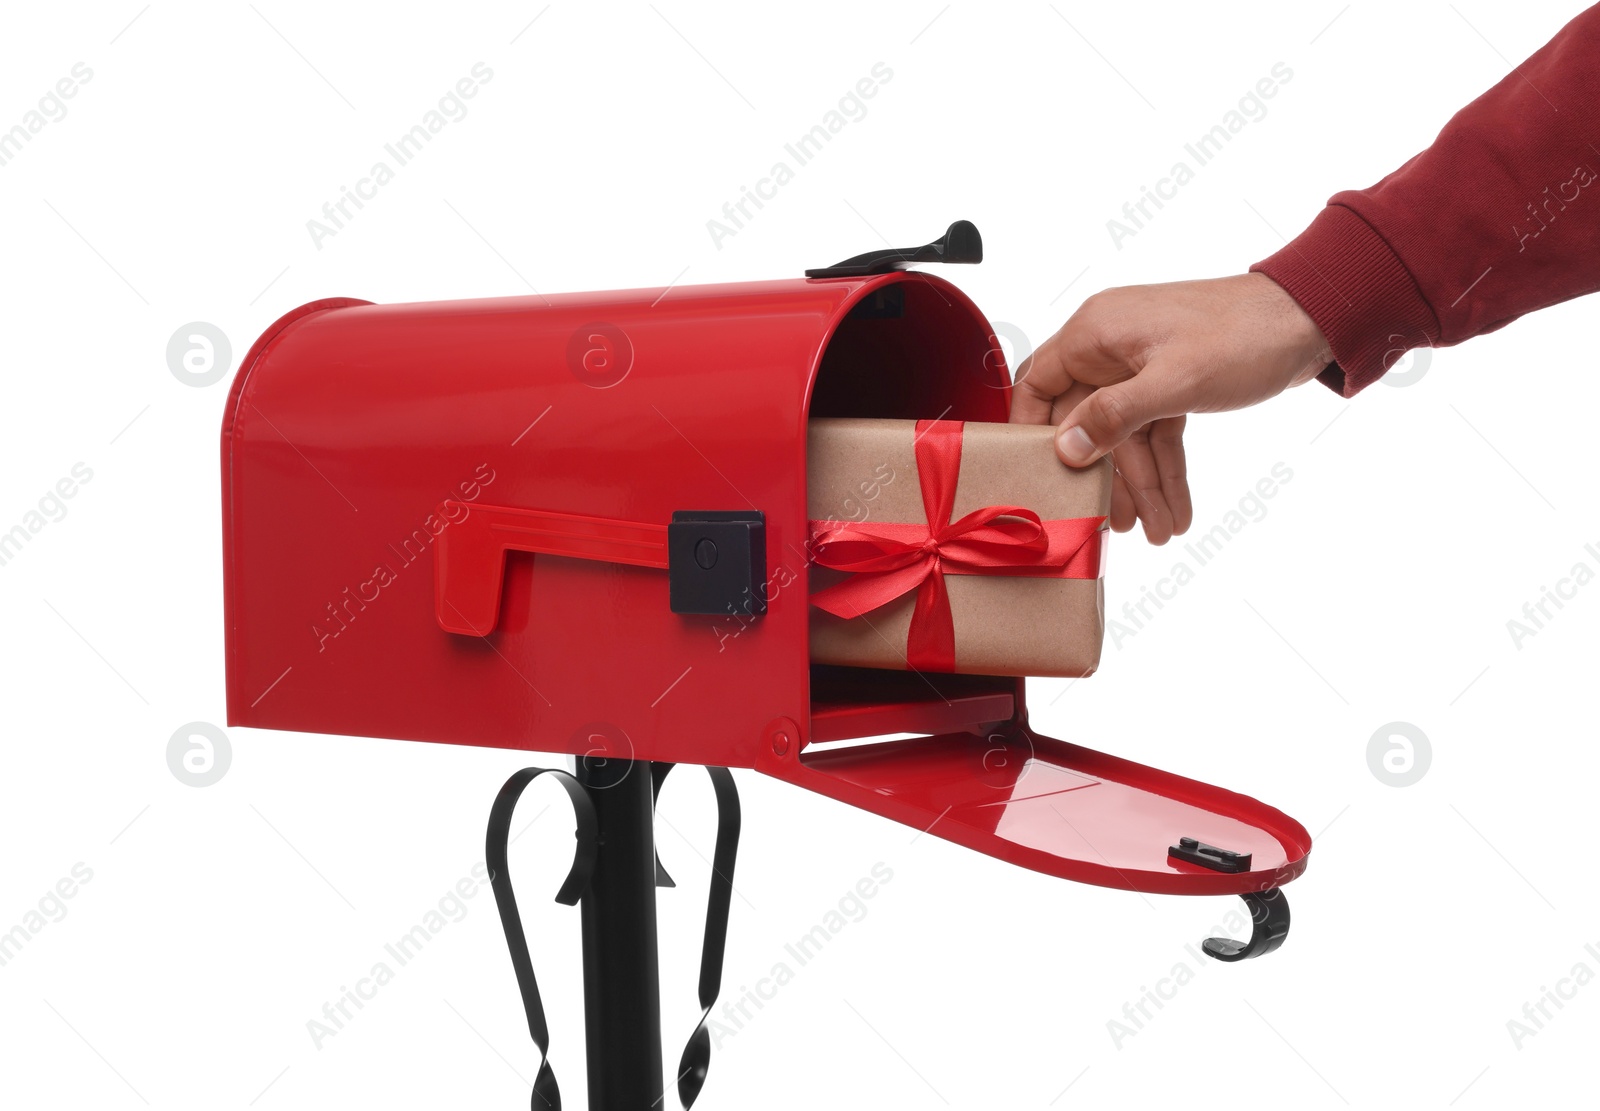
{"x":1499,"y":217}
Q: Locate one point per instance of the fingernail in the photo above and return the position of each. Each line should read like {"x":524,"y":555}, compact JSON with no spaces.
{"x":1075,"y":446}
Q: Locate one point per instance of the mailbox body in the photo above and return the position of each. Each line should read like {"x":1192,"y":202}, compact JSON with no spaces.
{"x":349,"y":424}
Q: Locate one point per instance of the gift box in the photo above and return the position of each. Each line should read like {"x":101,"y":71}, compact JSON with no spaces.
{"x":952,"y":546}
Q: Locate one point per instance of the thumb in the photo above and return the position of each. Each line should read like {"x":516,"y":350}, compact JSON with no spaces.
{"x":1107,"y":417}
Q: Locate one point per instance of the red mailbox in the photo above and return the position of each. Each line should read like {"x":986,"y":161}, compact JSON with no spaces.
{"x":578,"y":524}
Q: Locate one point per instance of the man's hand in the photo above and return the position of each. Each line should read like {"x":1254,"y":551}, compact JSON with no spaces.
{"x":1122,"y":373}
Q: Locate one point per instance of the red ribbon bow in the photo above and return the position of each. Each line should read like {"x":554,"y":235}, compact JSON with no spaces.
{"x":891,"y":559}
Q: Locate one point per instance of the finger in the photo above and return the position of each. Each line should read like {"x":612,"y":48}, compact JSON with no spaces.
{"x":1076,"y":395}
{"x":1031,"y":404}
{"x":1137,"y":464}
{"x":1072,"y":356}
{"x":1113,"y":413}
{"x":1166,"y":444}
{"x":1122,"y":513}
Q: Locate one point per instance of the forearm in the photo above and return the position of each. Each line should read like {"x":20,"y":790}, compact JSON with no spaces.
{"x":1499,"y":217}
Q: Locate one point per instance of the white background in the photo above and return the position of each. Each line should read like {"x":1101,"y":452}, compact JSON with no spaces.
{"x":1376,"y":588}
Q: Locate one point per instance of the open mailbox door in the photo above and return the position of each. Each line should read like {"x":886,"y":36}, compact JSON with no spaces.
{"x":984,"y":779}
{"x":1062,"y":809}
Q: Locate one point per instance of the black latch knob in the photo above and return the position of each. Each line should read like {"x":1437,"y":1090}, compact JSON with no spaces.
{"x":716,"y":561}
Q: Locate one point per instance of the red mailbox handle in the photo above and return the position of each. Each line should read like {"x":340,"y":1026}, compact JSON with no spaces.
{"x":470,"y":554}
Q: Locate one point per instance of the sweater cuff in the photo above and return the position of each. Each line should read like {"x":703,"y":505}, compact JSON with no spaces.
{"x":1356,"y":289}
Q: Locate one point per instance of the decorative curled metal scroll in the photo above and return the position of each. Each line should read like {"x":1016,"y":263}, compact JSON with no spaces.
{"x":696,"y":1060}
{"x":546,"y":1094}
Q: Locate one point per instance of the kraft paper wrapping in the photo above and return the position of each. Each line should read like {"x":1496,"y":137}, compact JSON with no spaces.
{"x":862,"y":469}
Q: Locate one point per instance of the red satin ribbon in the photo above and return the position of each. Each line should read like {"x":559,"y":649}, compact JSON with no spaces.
{"x":889,"y":559}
